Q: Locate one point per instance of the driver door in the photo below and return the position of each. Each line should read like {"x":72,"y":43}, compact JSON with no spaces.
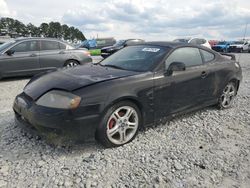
{"x":182,"y":89}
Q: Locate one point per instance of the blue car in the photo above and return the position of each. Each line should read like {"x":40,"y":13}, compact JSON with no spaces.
{"x":222,"y":46}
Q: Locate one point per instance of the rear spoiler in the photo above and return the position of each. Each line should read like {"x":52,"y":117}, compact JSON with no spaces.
{"x":229,"y":55}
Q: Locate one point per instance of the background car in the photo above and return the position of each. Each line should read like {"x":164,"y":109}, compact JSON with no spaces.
{"x":97,"y":43}
{"x":136,"y":87}
{"x":29,"y":56}
{"x":107,"y":51}
{"x":213,"y":42}
{"x":222,"y":46}
{"x":240,"y":46}
{"x":197,"y":41}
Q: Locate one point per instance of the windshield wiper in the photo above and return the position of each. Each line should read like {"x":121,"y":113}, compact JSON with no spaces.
{"x":112,"y":66}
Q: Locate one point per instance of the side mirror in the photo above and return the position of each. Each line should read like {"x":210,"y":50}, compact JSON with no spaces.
{"x":10,"y":52}
{"x":175,"y":66}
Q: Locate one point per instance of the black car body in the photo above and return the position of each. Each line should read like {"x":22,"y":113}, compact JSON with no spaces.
{"x":160,"y":79}
{"x":107,"y":51}
{"x":29,"y":56}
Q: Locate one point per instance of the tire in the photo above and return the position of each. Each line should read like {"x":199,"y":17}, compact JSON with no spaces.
{"x":227,"y":97}
{"x":119,"y":125}
{"x":71,"y":63}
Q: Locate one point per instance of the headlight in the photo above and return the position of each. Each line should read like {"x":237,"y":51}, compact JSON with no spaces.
{"x":59,"y":99}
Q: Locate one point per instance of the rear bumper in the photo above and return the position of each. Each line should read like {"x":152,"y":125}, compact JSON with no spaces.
{"x":54,"y":122}
{"x":86,"y":60}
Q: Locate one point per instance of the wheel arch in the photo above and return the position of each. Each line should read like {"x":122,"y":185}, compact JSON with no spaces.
{"x":71,"y":59}
{"x":132,"y":99}
{"x":236,"y":82}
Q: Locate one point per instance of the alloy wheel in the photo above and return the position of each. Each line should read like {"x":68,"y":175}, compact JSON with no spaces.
{"x":71,"y":64}
{"x":122,"y":125}
{"x":228,"y":95}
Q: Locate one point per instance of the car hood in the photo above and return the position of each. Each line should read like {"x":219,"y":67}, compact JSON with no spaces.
{"x":73,"y":78}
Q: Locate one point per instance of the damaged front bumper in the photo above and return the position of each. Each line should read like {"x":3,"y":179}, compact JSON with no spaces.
{"x":56,"y":125}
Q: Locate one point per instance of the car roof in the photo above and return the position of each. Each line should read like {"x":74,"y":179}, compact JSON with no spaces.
{"x":38,"y":38}
{"x":132,"y":39}
{"x":168,"y":44}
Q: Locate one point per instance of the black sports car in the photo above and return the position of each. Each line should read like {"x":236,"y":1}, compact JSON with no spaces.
{"x":136,"y":87}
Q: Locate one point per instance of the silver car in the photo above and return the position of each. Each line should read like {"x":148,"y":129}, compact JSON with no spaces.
{"x":29,"y":56}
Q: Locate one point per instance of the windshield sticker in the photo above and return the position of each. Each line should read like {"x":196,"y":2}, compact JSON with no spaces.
{"x":151,"y":49}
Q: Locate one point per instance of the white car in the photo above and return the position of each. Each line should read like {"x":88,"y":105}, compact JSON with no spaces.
{"x":197,"y":41}
{"x":240,"y":46}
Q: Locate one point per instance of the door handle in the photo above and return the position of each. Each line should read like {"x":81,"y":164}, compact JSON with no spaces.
{"x":33,"y":55}
{"x":203,"y":74}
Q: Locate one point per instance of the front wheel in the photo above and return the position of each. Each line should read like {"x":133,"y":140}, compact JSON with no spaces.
{"x":227,"y":96}
{"x":120,"y":124}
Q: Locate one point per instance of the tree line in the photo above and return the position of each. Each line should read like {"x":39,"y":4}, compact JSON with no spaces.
{"x":53,"y":29}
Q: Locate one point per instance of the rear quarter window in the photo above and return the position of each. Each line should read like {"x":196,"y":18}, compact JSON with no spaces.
{"x":207,"y":56}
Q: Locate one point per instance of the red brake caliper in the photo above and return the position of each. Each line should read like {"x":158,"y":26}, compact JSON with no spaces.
{"x":111,"y":123}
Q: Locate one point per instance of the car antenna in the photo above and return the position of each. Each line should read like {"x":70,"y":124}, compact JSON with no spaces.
{"x":244,"y":38}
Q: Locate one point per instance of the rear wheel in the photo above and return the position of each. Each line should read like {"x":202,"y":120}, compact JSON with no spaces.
{"x":120,"y":124}
{"x":71,"y":63}
{"x":227,"y":96}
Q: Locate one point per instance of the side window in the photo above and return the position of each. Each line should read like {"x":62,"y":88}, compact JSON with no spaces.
{"x":207,"y":56}
{"x":26,"y":46}
{"x":49,"y":45}
{"x":187,"y":55}
{"x":128,"y":43}
{"x":201,"y":41}
{"x":62,"y":46}
{"x":132,"y":42}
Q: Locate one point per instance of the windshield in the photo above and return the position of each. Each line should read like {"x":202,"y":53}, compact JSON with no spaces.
{"x":136,"y":58}
{"x":119,"y":43}
{"x":6,"y":45}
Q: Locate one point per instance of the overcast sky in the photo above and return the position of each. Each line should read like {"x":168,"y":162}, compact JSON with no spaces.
{"x":150,"y":20}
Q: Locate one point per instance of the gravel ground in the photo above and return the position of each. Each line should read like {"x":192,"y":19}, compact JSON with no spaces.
{"x":207,"y":148}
